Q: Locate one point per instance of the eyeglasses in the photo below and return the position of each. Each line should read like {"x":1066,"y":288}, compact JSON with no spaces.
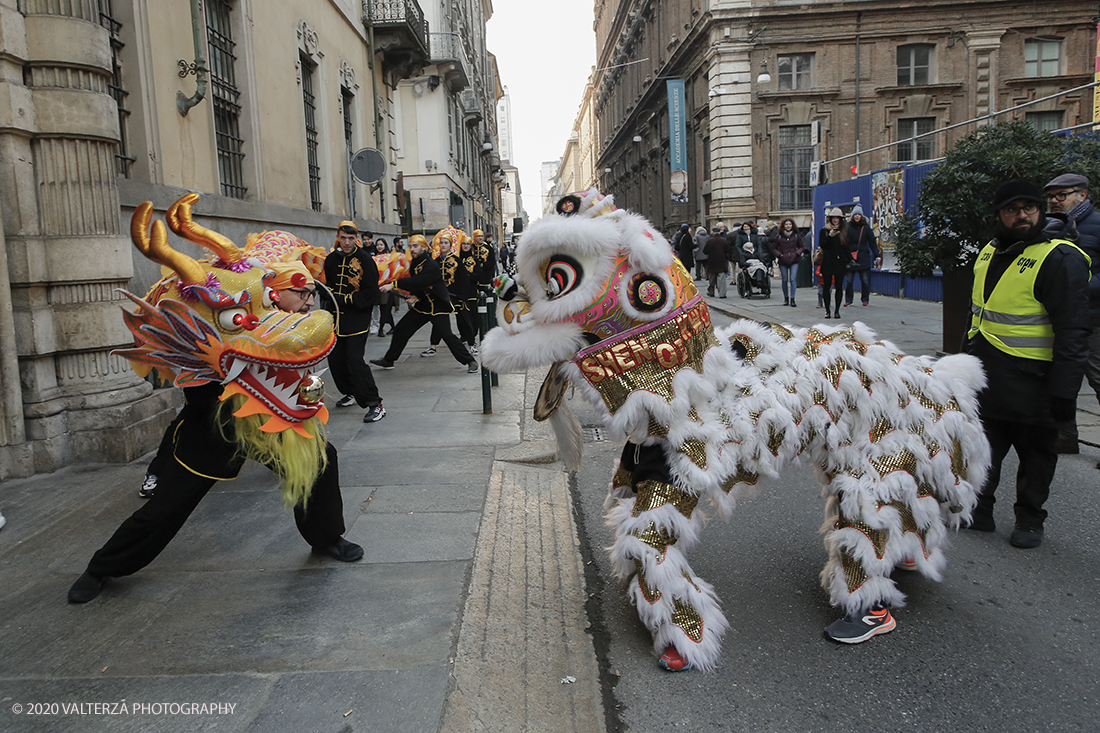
{"x":1028,"y":209}
{"x":304,"y":293}
{"x":1061,"y":195}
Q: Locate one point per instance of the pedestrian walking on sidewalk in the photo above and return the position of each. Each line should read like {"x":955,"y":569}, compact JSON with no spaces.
{"x":865,"y":251}
{"x":428,"y":302}
{"x":836,"y":254}
{"x":1029,"y":326}
{"x":787,"y":249}
{"x":717,"y":251}
{"x":701,"y":237}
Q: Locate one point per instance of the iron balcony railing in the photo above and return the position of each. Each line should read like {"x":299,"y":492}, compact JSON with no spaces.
{"x":399,"y":15}
{"x":447,"y":47}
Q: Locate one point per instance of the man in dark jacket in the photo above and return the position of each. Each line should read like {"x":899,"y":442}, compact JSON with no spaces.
{"x":1069,"y":194}
{"x":352,"y":277}
{"x":1030,"y":327}
{"x":429,"y":302}
{"x":717,"y":250}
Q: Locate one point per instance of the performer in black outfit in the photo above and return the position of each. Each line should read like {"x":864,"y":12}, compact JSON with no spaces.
{"x":461,"y":288}
{"x":203,"y":452}
{"x":486,"y":260}
{"x":352,"y":276}
{"x":429,"y":302}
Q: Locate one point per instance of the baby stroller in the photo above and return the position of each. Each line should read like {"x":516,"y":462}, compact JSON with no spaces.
{"x":753,"y":276}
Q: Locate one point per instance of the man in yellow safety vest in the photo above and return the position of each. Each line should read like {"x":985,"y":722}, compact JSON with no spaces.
{"x":1030,"y":327}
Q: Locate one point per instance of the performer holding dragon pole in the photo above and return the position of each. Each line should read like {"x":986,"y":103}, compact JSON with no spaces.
{"x":236,"y":332}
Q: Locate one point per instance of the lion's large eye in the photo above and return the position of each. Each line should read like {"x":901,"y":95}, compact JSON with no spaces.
{"x":233,"y":319}
{"x":563,"y":273}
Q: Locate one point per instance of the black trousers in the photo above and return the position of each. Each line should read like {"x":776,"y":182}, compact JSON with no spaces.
{"x":385,"y":312}
{"x":831,"y":281}
{"x":466,"y":330}
{"x":350,"y":371}
{"x":143,"y":536}
{"x":1034,"y":446}
{"x":412,"y":322}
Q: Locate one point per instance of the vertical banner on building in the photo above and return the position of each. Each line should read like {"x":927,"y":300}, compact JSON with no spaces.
{"x":677,"y":141}
{"x":1096,"y":90}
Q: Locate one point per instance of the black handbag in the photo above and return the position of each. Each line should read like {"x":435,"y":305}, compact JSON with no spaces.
{"x":852,"y":265}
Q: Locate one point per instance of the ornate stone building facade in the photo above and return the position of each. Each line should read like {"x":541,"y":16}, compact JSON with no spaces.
{"x":841,"y":78}
{"x":447,"y":141}
{"x":107,"y":103}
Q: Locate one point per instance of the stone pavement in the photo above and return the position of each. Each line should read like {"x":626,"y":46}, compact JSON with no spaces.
{"x":467,"y":613}
{"x":471,"y":589}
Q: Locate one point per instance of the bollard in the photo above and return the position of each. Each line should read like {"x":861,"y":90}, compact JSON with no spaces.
{"x":491,"y":317}
{"x":486,"y":380}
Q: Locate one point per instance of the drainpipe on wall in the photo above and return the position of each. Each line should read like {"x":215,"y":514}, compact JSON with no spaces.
{"x":368,"y":19}
{"x":184,"y":103}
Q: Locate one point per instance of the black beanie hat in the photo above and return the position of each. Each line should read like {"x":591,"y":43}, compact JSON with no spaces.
{"x":1017,"y":189}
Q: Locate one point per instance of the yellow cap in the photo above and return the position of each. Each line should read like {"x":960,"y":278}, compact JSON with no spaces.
{"x":288,"y":275}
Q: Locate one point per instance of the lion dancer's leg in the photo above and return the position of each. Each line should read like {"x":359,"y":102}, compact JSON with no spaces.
{"x":655,"y":524}
{"x":867,"y":538}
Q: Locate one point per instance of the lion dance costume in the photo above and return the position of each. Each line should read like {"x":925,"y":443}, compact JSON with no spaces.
{"x":895,"y":439}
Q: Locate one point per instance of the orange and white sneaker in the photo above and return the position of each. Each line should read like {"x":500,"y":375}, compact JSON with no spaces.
{"x":859,"y":627}
{"x":672,"y":661}
{"x":908,"y":564}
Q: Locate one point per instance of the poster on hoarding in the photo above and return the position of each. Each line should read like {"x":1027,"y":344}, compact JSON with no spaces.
{"x":887,"y":197}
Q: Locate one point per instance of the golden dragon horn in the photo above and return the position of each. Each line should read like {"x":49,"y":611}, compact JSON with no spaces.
{"x":155,"y":246}
{"x":180,"y":221}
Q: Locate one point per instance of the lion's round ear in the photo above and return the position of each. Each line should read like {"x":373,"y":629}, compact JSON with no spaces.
{"x":568,"y":205}
{"x":647,"y":292}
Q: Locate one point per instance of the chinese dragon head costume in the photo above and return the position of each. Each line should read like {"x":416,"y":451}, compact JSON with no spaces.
{"x":895,"y":440}
{"x":212,"y":320}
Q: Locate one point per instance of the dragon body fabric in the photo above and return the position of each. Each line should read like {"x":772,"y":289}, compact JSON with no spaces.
{"x":212,"y":320}
{"x":895,"y":439}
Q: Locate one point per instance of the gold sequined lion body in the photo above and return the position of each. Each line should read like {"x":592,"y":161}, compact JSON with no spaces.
{"x":895,"y":439}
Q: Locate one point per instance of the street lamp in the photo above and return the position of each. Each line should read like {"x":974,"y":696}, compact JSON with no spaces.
{"x":764,"y":76}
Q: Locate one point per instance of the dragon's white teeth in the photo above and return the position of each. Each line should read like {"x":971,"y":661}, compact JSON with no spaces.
{"x":239,"y":365}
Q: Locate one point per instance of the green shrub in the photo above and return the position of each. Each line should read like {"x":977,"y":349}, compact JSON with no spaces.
{"x":955,"y":204}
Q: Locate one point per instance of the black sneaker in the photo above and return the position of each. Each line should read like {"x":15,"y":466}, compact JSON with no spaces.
{"x":1026,"y":538}
{"x":375,"y":414}
{"x":382,"y":363}
{"x":148,"y":486}
{"x":86,"y":587}
{"x":345,"y":401}
{"x":860,"y":627}
{"x":430,"y":351}
{"x":472,"y":368}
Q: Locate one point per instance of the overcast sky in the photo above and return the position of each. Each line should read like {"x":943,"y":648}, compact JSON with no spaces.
{"x":545,"y":51}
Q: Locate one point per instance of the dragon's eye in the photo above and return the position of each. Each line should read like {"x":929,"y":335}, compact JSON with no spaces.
{"x":232,"y":319}
{"x":563,"y":273}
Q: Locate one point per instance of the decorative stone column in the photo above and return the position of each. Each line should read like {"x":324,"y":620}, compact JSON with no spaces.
{"x":984,"y":46}
{"x":66,"y":253}
{"x":731,"y":149}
